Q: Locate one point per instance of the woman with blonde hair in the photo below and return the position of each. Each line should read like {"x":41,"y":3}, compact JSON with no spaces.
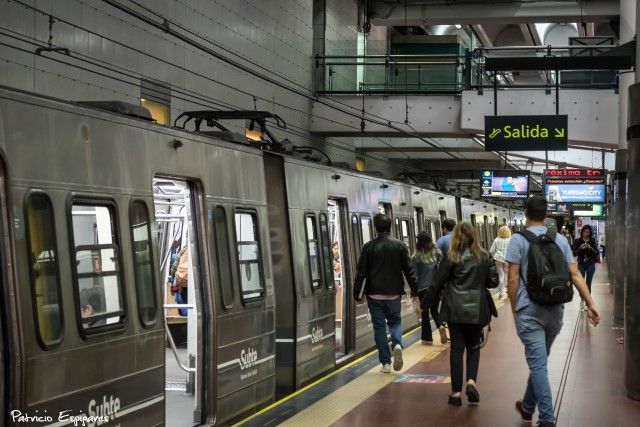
{"x":463,"y":278}
{"x":498,"y":250}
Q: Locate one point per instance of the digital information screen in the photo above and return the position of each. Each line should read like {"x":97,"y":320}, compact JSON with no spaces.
{"x":575,"y":186}
{"x":596,"y":211}
{"x":504,"y":184}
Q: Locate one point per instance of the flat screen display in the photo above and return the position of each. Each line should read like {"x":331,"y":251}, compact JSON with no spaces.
{"x":575,"y":193}
{"x":505,"y":184}
{"x":597,"y":211}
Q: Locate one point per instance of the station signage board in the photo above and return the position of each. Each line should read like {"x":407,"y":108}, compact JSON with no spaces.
{"x":525,"y":133}
{"x":575,"y":186}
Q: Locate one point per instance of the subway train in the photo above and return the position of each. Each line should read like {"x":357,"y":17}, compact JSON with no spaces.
{"x":153,"y":275}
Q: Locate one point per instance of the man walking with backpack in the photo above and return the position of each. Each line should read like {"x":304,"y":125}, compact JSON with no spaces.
{"x":541,"y":272}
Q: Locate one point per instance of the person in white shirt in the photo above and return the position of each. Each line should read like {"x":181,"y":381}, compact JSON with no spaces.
{"x":498,"y":250}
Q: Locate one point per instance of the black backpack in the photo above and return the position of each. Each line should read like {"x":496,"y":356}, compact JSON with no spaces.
{"x":548,"y":280}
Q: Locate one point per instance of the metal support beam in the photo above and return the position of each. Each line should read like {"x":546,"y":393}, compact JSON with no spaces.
{"x":384,"y":14}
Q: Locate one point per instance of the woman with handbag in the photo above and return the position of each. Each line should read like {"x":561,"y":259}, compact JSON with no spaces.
{"x":425,"y":261}
{"x":463,"y":278}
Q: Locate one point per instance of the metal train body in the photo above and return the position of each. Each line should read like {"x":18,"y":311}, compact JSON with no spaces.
{"x":250,"y":346}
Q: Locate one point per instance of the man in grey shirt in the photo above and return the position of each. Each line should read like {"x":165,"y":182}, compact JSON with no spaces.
{"x":538,"y":325}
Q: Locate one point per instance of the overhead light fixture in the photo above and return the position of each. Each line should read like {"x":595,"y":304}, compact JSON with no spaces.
{"x":142,"y":100}
{"x":458,"y":26}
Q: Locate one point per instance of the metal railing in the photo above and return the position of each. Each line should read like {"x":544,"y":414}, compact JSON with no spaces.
{"x":389,"y":74}
{"x":451,"y":73}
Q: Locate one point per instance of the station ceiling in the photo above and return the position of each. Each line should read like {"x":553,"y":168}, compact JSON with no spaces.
{"x":493,"y":23}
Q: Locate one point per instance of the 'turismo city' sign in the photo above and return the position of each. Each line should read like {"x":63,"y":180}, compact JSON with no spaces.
{"x":525,"y":133}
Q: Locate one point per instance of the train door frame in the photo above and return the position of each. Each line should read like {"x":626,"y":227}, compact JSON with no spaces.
{"x":347,"y":318}
{"x":204,"y":397}
{"x":8,"y":396}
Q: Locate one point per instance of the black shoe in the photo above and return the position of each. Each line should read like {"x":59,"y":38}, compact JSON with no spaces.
{"x":455,"y":401}
{"x":472,"y":394}
{"x":526,"y":416}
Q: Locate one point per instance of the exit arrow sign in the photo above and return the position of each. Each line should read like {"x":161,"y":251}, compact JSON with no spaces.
{"x":526,"y":133}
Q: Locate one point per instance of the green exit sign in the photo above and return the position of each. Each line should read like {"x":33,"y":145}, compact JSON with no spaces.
{"x":525,"y":133}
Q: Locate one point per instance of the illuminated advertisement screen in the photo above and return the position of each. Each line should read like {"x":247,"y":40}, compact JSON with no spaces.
{"x":575,"y":193}
{"x":597,"y":211}
{"x":507,"y":184}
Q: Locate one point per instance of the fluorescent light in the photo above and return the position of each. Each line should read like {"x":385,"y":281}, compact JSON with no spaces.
{"x":142,"y":100}
{"x":458,"y":26}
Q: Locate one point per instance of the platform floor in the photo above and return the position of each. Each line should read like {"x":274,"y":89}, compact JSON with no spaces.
{"x":585,"y":370}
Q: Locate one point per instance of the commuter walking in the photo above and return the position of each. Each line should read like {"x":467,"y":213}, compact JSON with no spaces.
{"x":585,"y":250}
{"x":498,"y":249}
{"x":467,"y":272}
{"x":444,"y":241}
{"x":381,"y":267}
{"x":541,"y":256}
{"x":425,"y":261}
{"x":603,"y":244}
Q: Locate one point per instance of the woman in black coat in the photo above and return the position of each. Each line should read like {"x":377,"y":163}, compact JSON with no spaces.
{"x":463,"y":278}
{"x":585,"y":249}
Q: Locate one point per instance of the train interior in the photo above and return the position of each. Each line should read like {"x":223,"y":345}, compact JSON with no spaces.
{"x":178,"y":281}
{"x":336,"y":209}
{"x":97,"y":265}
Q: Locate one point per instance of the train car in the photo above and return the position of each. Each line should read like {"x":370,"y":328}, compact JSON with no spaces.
{"x":320,"y":216}
{"x":107,"y":221}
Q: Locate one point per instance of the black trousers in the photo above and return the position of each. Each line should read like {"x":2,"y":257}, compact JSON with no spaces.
{"x":426,"y":323}
{"x":464,"y":336}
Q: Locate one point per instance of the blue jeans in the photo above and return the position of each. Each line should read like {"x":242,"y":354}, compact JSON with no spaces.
{"x":537,"y":328}
{"x":385,"y":311}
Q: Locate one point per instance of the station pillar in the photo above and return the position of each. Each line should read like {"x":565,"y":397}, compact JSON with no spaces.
{"x":632,"y":238}
{"x":617,"y":258}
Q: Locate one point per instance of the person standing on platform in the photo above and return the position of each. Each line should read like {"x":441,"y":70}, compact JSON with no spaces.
{"x":603,"y":244}
{"x":586,"y":250}
{"x":498,"y":249}
{"x":444,"y":241}
{"x":538,"y":325}
{"x":425,"y":261}
{"x":382,"y":264}
{"x":463,"y":279}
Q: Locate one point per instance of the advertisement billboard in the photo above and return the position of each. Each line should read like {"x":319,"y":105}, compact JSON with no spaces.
{"x":575,"y":193}
{"x":504,"y":184}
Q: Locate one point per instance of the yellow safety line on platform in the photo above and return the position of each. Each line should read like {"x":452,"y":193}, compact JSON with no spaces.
{"x":334,"y":406}
{"x":337,"y":404}
{"x":313,"y":384}
{"x":320,"y":411}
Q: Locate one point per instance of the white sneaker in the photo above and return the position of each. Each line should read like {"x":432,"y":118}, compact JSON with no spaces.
{"x":397,"y":358}
{"x":386,"y":368}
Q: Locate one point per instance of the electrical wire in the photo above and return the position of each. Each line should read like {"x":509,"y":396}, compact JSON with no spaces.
{"x":207,"y":103}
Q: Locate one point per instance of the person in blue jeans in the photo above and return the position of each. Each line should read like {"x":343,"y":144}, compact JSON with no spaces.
{"x":383,"y":263}
{"x":538,"y":325}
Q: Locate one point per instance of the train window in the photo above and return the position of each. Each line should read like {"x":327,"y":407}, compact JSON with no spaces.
{"x":45,"y":275}
{"x":222,"y":256}
{"x":419,"y":220}
{"x":367,"y":230}
{"x":312,"y":250}
{"x":327,"y":251}
{"x":97,"y":273}
{"x":405,"y":235}
{"x":142,"y":262}
{"x":249,"y":265}
{"x":357,"y":238}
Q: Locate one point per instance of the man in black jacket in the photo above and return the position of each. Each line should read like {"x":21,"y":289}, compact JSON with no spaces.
{"x":382,"y":263}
